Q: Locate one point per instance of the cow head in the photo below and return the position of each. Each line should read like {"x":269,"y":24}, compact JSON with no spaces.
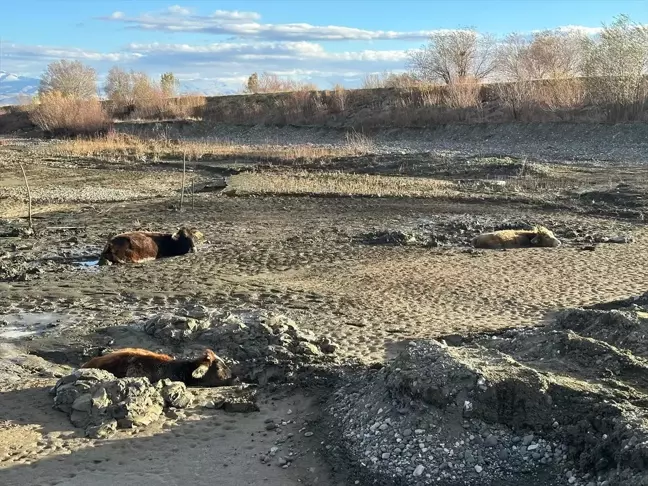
{"x":545,"y":238}
{"x":212,"y":370}
{"x":189,"y":237}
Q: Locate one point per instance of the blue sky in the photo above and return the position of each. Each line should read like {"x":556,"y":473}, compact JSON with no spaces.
{"x":216,"y":44}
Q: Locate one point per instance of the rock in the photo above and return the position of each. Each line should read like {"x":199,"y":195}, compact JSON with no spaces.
{"x":328,"y":346}
{"x":308,"y":434}
{"x":491,"y":441}
{"x":92,"y":403}
{"x":478,"y":469}
{"x":175,"y":393}
{"x":418,"y":470}
{"x":527,"y":439}
{"x":259,"y":346}
{"x":102,"y":431}
{"x":308,"y":348}
{"x":173,"y":329}
{"x":81,"y":381}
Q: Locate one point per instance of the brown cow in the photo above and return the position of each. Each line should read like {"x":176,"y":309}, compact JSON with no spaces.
{"x":141,"y":246}
{"x":206,"y":370}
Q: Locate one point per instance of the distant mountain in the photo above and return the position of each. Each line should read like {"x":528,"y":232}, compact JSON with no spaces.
{"x":13,"y":85}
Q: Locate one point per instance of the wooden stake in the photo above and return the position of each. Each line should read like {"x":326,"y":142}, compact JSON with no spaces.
{"x":184,"y":172}
{"x":29,"y":197}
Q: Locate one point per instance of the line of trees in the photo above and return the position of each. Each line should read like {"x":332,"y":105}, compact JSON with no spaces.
{"x":77,"y":80}
{"x":621,"y":50}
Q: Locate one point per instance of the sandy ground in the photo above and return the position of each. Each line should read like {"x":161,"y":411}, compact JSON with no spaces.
{"x":295,"y":255}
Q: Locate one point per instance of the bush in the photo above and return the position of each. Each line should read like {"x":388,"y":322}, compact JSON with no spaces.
{"x":57,"y":114}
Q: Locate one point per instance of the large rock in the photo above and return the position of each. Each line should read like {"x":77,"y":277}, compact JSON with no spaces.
{"x":100,"y":403}
{"x":259,"y":346}
{"x":173,"y":329}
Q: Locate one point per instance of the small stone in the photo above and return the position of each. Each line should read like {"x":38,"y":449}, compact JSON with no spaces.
{"x":383,"y":427}
{"x":532,"y":447}
{"x":469,"y":458}
{"x":281,"y":461}
{"x":491,"y":441}
{"x":503,"y":454}
{"x":385,"y":455}
{"x":572,"y":480}
{"x":527,"y":439}
{"x":102,"y":431}
{"x":271,"y":426}
{"x":308,"y":434}
{"x":418,"y":471}
{"x":478,"y":468}
{"x":407,"y":432}
{"x":263,"y":458}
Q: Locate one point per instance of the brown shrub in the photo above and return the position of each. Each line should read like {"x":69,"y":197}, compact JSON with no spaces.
{"x":60,"y":115}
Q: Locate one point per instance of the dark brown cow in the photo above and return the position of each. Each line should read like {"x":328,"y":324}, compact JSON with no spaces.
{"x":141,"y":246}
{"x":206,"y":370}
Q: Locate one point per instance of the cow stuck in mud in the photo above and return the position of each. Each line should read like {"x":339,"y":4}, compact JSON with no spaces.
{"x":539,"y":236}
{"x":142,"y":246}
{"x":206,"y":370}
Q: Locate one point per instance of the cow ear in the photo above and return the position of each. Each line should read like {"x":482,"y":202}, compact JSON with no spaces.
{"x":200,"y":371}
{"x":175,"y":236}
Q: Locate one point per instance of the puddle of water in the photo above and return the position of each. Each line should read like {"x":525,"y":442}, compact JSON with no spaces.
{"x":22,"y":324}
{"x":86,"y":264}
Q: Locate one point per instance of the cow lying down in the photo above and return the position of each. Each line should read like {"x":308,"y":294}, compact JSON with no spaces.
{"x":206,"y":370}
{"x":141,"y":246}
{"x":539,"y":236}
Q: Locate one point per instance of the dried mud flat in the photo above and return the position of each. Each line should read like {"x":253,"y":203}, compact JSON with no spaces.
{"x":345,"y":268}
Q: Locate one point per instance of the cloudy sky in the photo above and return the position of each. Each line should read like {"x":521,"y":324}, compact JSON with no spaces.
{"x":213,"y":46}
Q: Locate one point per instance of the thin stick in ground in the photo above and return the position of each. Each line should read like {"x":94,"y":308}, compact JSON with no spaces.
{"x":193,"y":184}
{"x":184,"y":173}
{"x":29,"y":197}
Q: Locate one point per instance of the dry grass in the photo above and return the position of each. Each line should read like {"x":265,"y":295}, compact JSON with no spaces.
{"x":337,"y":184}
{"x":62,"y":115}
{"x":125,"y":147}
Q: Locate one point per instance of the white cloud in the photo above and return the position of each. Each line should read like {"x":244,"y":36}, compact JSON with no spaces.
{"x":178,"y":10}
{"x":117,"y":15}
{"x":48,"y":53}
{"x":245,"y":24}
{"x":579,"y":29}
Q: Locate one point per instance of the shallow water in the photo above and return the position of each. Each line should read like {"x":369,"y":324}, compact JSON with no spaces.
{"x":86,"y":263}
{"x":22,"y":324}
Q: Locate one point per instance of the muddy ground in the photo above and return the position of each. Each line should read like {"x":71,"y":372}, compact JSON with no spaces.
{"x":324,"y":262}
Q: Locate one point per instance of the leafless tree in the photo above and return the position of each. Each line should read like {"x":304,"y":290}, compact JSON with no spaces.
{"x":545,"y":55}
{"x":617,"y":63}
{"x":70,"y":78}
{"x":454,"y":55}
{"x":119,"y":86}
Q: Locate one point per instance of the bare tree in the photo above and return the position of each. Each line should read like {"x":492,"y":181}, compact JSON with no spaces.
{"x":168,"y":83}
{"x":545,"y":55}
{"x":617,"y":64}
{"x":253,"y":83}
{"x":454,"y":55}
{"x":70,"y":78}
{"x":119,"y":86}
